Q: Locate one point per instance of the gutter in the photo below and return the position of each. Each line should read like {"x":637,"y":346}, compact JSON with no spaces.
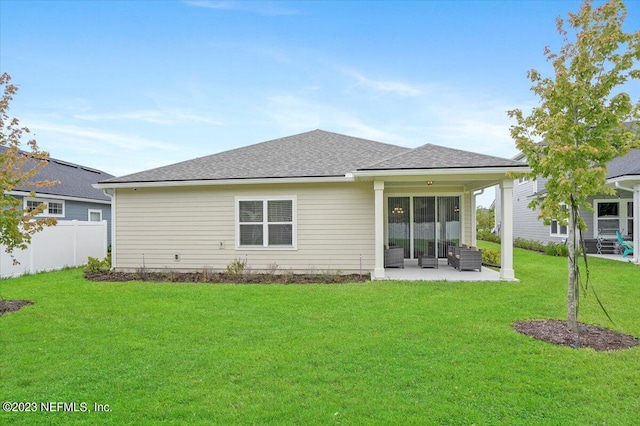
{"x":57,"y":197}
{"x":264,"y":181}
{"x":624,"y":188}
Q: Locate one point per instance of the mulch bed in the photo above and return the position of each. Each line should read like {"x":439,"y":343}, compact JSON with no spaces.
{"x":12,"y":305}
{"x":591,"y":336}
{"x":210,"y":277}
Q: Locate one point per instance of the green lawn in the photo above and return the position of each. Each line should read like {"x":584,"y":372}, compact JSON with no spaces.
{"x":351,"y":354}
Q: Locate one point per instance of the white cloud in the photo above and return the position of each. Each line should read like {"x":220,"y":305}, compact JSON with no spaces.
{"x":163,"y":117}
{"x":92,"y":135}
{"x":384,"y":87}
{"x":262,"y":7}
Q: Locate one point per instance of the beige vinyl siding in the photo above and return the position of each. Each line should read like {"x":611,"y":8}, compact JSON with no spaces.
{"x":334,"y":228}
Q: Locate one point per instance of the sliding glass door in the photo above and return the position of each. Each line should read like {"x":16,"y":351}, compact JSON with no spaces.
{"x":424,"y":226}
{"x":399,"y":224}
{"x":448,"y":223}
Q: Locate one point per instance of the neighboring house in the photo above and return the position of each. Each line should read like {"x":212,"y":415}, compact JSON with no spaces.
{"x":73,"y":198}
{"x":313,"y":201}
{"x":620,"y":212}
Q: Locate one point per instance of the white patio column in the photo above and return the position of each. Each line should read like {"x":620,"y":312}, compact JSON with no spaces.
{"x":506,"y":230}
{"x":636,"y":223}
{"x":378,"y":188}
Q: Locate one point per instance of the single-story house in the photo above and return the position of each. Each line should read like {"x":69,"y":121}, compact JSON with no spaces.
{"x":611,"y":213}
{"x":73,"y":197}
{"x":315,"y":201}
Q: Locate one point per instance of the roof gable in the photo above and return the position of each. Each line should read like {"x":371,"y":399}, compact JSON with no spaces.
{"x":431,"y":156}
{"x":312,"y":154}
{"x":315,"y":154}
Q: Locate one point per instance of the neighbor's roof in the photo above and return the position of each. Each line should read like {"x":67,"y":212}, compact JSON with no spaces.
{"x":75,"y":180}
{"x":629,"y":165}
{"x":312,"y":154}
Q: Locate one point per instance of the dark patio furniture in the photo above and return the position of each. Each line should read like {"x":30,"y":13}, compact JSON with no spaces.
{"x":468,"y":259}
{"x":394,"y":257}
{"x":428,"y":262}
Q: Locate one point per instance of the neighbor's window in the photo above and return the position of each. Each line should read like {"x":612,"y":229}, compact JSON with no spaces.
{"x":31,"y":205}
{"x":53,"y":208}
{"x":608,"y":217}
{"x":95,"y":215}
{"x":559,"y":228}
{"x":266,"y":223}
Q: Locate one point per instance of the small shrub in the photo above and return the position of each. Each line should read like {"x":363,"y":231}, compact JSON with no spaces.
{"x":554,"y":249}
{"x":236,"y":267}
{"x":529,"y":245}
{"x":206,"y":275}
{"x":142,"y":273}
{"x":491,"y":257}
{"x":97,"y":265}
{"x":486,"y":235}
{"x":173,"y":275}
{"x":272,"y":268}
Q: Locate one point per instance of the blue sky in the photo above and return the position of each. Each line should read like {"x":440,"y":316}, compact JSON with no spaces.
{"x":127,"y":86}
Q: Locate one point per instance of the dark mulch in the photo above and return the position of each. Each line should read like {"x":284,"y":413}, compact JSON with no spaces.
{"x":7,"y":306}
{"x":591,"y":336}
{"x":211,"y":277}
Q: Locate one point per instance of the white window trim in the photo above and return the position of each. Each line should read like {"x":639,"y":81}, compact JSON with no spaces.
{"x":265,"y":246}
{"x":94,"y":211}
{"x":558,"y":227}
{"x":622,"y":213}
{"x":46,"y":201}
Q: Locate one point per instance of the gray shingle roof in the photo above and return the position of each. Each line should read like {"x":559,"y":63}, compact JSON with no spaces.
{"x":313,"y":154}
{"x":624,"y":166}
{"x":431,"y":156}
{"x":75,"y":180}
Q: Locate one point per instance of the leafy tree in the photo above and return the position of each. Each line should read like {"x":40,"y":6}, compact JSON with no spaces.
{"x":17,"y":169}
{"x":584,"y":120}
{"x":485,"y":219}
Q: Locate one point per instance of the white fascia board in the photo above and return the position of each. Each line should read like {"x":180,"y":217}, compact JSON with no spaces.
{"x":463,"y":171}
{"x":626,"y":179}
{"x":266,"y":181}
{"x":58,"y":197}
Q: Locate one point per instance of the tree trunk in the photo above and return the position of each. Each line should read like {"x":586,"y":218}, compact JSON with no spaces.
{"x":572,"y":293}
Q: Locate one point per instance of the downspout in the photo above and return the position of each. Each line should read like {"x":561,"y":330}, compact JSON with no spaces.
{"x":110,"y":192}
{"x":474,"y":206}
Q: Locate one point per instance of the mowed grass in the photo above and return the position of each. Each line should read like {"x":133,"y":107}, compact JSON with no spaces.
{"x":351,"y":354}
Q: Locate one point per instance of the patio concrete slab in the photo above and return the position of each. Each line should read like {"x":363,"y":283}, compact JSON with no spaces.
{"x":616,"y":257}
{"x":444,"y":272}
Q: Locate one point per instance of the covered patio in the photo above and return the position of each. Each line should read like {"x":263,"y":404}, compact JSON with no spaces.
{"x":425,"y":201}
{"x":444,"y":272}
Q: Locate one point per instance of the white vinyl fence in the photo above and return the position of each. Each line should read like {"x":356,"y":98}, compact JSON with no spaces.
{"x":69,"y":243}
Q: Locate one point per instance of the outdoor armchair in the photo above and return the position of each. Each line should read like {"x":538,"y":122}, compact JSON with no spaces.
{"x":626,"y":245}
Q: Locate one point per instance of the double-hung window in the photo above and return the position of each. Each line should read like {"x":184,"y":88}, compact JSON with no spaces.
{"x":559,"y":227}
{"x":608,"y":217}
{"x":266,"y":222}
{"x":52,"y":208}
